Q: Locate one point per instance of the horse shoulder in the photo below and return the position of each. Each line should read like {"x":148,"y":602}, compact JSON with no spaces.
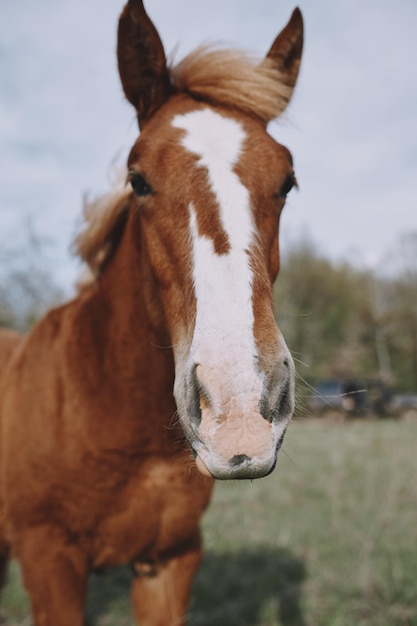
{"x":32,"y":408}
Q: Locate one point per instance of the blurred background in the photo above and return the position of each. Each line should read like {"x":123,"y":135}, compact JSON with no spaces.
{"x":330,"y":538}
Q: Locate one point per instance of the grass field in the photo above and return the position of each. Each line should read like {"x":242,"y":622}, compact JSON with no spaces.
{"x":330,"y":539}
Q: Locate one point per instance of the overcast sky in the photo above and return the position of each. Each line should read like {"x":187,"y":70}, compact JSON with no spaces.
{"x":352,"y":126}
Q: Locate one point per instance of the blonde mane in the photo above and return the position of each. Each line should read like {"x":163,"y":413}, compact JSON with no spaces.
{"x":95,"y":241}
{"x":219,"y":76}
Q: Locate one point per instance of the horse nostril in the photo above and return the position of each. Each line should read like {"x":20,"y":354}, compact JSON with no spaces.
{"x":284,"y":404}
{"x":239,"y":459}
{"x":277,"y":400}
{"x":195,"y":408}
{"x":199,"y":397}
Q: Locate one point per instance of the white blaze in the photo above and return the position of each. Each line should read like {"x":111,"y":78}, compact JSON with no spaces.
{"x":224,"y":330}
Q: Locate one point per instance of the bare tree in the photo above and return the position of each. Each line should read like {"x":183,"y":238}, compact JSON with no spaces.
{"x":27,"y":287}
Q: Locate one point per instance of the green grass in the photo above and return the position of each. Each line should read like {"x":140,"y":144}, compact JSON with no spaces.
{"x":330,"y":539}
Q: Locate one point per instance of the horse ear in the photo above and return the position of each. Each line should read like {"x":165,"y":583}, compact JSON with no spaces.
{"x":285,"y":52}
{"x":141,"y":60}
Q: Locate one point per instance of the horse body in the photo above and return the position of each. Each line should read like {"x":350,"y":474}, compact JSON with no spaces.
{"x":171,"y":352}
{"x":105,"y":477}
{"x":100,"y":439}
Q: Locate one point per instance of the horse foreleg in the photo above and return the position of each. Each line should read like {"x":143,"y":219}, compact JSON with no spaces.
{"x":55,"y":576}
{"x":4,"y":550}
{"x":160,"y":592}
{"x":4,"y":558}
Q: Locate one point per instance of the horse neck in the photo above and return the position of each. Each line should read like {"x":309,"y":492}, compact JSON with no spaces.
{"x":136,"y":328}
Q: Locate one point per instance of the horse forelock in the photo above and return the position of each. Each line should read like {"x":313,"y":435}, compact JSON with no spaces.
{"x":233,"y":78}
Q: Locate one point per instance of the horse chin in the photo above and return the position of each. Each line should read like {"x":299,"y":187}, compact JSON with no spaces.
{"x":242,"y":469}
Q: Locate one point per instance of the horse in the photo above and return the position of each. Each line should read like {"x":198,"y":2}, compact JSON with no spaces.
{"x":167,"y":370}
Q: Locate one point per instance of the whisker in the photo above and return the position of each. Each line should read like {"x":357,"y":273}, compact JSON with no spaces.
{"x":299,"y":361}
{"x":169,"y":347}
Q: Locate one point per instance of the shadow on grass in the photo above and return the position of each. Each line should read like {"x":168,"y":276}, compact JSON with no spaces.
{"x":249,"y":588}
{"x":109,"y":594}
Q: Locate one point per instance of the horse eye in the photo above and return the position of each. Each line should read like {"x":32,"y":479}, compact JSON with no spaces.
{"x":289,"y":183}
{"x":139,"y":185}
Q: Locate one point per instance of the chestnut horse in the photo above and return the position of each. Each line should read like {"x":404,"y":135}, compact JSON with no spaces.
{"x":170,"y":352}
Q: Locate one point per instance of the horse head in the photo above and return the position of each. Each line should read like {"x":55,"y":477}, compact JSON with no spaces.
{"x":210,"y":184}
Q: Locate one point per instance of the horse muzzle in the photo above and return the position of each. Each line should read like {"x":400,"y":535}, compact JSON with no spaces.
{"x":236,"y":425}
